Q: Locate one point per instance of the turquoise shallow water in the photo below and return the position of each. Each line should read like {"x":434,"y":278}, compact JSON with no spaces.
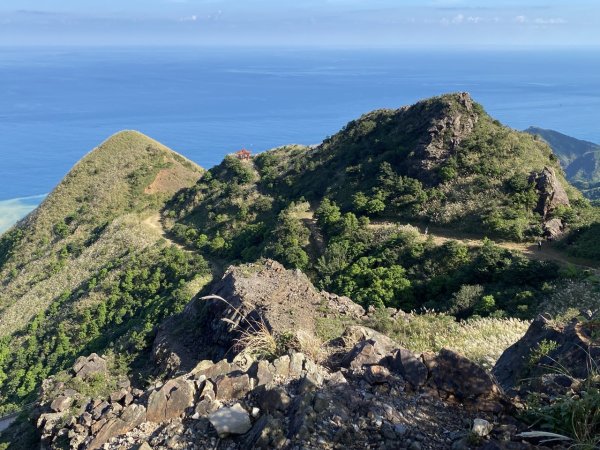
{"x":57,"y":104}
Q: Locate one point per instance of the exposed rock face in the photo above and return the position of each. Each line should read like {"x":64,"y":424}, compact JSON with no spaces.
{"x":170,"y":401}
{"x":468,"y":382}
{"x":552,"y":193}
{"x":409,"y":366}
{"x":448,"y":132}
{"x":285,"y":301}
{"x":553,"y":228}
{"x":569,"y":347}
{"x":132,"y":416}
{"x":88,"y":367}
{"x":376,"y":398}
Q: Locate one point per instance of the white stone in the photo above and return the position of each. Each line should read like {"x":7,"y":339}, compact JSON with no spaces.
{"x":255,"y":412}
{"x":481,"y":427}
{"x":234,"y":420}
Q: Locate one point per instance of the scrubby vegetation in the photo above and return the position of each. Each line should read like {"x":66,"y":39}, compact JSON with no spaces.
{"x":86,"y":274}
{"x":118,"y":310}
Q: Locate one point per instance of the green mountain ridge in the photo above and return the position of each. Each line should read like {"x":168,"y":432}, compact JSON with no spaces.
{"x":135,"y":231}
{"x":442,"y":161}
{"x":60,"y":264}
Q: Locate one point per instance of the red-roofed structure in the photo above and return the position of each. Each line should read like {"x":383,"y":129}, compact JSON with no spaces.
{"x":244,"y":154}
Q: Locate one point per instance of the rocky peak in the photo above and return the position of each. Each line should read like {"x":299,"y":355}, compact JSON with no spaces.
{"x":451,"y":119}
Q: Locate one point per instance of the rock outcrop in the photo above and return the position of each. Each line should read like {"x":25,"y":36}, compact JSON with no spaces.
{"x":365,"y":391}
{"x":381,"y":396}
{"x":546,"y":345}
{"x":551,"y":192}
{"x":248,"y":297}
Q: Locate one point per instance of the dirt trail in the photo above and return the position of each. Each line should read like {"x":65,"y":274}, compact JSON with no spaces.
{"x":155,"y":224}
{"x":548,"y":252}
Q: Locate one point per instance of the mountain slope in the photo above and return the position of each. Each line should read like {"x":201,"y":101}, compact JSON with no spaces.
{"x":85,"y":270}
{"x":567,"y":148}
{"x":441,"y":161}
{"x":83,"y":223}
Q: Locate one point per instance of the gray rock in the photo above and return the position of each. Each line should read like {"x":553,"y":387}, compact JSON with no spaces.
{"x":457,"y":375}
{"x":61,"y":403}
{"x":264,"y":372}
{"x":282,"y":366}
{"x":93,"y":365}
{"x":376,"y":374}
{"x":296,"y":363}
{"x":551,"y":192}
{"x":170,"y":401}
{"x":229,"y":387}
{"x":233,"y":420}
{"x":409,"y":366}
{"x":365,"y":353}
{"x":132,"y":416}
{"x":274,"y":399}
{"x":481,"y":427}
{"x":400,"y":429}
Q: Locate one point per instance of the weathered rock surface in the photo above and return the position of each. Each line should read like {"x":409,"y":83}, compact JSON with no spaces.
{"x":285,"y":301}
{"x":572,"y":348}
{"x":133,"y":416}
{"x":170,"y":401}
{"x":409,"y":366}
{"x":551,"y":192}
{"x":88,"y":367}
{"x":468,"y":382}
{"x":232,"y":420}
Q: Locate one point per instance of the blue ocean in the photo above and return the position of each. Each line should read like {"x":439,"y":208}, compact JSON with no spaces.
{"x":56,"y":104}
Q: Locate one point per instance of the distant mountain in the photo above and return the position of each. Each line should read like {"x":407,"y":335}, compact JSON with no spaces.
{"x":580,"y":159}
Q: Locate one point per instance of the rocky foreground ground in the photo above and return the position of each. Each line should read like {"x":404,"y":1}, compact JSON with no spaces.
{"x":362,"y":392}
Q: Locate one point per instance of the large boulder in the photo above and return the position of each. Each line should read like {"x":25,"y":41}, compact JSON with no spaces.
{"x":365,"y":353}
{"x":411,"y":368}
{"x":250,"y":298}
{"x":551,"y":192}
{"x":546,"y":345}
{"x":132,"y":416}
{"x":469,"y":383}
{"x":233,"y":420}
{"x":170,"y":401}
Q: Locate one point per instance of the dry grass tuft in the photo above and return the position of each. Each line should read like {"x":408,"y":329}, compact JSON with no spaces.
{"x":481,"y":339}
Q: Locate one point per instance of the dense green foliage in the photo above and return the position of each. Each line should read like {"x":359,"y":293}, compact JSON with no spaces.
{"x":133,"y":294}
{"x":407,"y":272}
{"x":584,"y":242}
{"x":574,"y":416}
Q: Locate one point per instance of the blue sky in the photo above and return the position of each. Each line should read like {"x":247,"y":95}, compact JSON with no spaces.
{"x":330,"y":23}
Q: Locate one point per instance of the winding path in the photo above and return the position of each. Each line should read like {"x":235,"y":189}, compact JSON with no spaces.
{"x":548,"y":252}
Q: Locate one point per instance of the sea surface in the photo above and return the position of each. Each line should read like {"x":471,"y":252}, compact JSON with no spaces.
{"x":56,"y":104}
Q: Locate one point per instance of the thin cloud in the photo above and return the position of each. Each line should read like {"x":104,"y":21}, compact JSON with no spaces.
{"x":552,"y":21}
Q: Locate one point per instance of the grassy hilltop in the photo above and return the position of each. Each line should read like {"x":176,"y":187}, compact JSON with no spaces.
{"x":76,"y":271}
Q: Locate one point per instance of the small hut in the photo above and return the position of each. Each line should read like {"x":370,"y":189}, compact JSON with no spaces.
{"x":244,"y":155}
